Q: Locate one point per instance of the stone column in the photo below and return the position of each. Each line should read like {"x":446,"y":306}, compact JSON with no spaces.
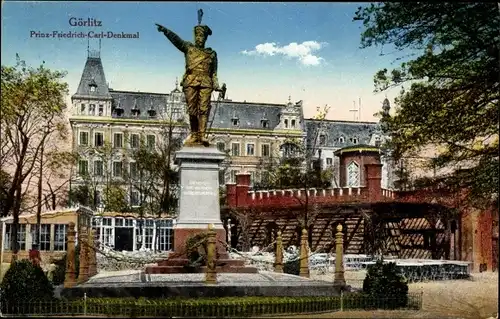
{"x":92,"y":254}
{"x":211,"y":273}
{"x":304,"y":255}
{"x":83,"y":274}
{"x":339,"y":280}
{"x":70,"y":277}
{"x":278,"y":262}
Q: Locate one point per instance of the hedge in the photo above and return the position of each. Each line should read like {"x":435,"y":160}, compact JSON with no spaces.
{"x":207,"y":307}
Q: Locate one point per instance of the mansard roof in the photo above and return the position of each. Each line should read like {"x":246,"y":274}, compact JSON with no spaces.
{"x":335,"y":129}
{"x":142,"y":100}
{"x":249,"y":115}
{"x":93,"y":75}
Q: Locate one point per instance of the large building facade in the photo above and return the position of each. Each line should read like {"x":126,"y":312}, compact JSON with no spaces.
{"x":252,"y":134}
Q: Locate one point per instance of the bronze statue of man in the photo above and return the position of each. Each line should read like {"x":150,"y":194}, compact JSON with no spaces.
{"x":199,"y":81}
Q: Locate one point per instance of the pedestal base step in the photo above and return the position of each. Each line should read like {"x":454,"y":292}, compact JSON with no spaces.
{"x":180,"y":266}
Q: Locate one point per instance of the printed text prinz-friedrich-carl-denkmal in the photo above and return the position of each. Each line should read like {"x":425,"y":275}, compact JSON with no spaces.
{"x":90,"y":34}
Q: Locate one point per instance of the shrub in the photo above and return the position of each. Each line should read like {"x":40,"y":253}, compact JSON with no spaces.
{"x":385,"y":281}
{"x":25,"y":282}
{"x":292,"y":267}
{"x":60,"y":272}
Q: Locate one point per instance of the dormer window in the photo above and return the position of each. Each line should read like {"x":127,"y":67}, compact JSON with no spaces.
{"x":341,"y":139}
{"x":151,"y":112}
{"x":92,"y":85}
{"x":235,"y":121}
{"x":322,"y":139}
{"x":119,"y":111}
{"x":355,"y":140}
{"x":264,"y":121}
{"x":377,"y":141}
{"x":135,"y":111}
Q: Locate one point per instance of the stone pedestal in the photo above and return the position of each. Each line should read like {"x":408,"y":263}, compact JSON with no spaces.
{"x":199,"y":206}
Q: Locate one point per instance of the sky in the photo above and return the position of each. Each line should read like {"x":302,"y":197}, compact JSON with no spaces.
{"x":267,"y":52}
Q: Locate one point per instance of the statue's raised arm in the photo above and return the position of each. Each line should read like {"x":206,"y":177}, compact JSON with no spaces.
{"x":174,"y":38}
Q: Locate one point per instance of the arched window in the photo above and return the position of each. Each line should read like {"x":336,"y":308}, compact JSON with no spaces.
{"x":341,"y":139}
{"x":353,"y":174}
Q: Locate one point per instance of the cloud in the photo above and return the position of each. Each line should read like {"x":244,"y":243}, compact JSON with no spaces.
{"x":302,"y":52}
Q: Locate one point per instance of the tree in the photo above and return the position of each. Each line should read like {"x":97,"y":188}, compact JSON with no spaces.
{"x":452,"y":80}
{"x":101,"y":182}
{"x":297,"y":167}
{"x":33,"y":105}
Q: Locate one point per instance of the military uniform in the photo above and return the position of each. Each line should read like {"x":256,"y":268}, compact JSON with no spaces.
{"x":199,"y":81}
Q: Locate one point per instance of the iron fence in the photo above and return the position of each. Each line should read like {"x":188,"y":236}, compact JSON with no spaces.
{"x":220,"y":307}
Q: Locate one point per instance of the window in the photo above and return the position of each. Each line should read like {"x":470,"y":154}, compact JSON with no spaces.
{"x":118,"y":140}
{"x":377,"y":141}
{"x":134,"y":198}
{"x":107,"y":232}
{"x":60,"y":239}
{"x":84,"y":139}
{"x":166,"y":234}
{"x":118,"y":222}
{"x":117,"y":169}
{"x":265,"y":150}
{"x":341,"y":139}
{"x":92,"y":88}
{"x":101,"y":110}
{"x":44,"y":244}
{"x":265,"y":123}
{"x":133,"y":170}
{"x":355,"y":140}
{"x":21,"y":236}
{"x":293,"y":123}
{"x":353,"y":175}
{"x":83,"y":167}
{"x":322,"y":139}
{"x":235,"y":122}
{"x":92,"y":109}
{"x":98,"y":168}
{"x":329,"y":161}
{"x":286,"y":123}
{"x":221,"y":146}
{"x":134,"y":141}
{"x":98,"y":139}
{"x":150,"y":142}
{"x":82,"y":108}
{"x":235,"y":149}
{"x":250,"y":149}
{"x":148,"y":234}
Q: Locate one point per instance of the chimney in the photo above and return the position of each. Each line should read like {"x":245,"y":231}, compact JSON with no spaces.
{"x":373,"y":181}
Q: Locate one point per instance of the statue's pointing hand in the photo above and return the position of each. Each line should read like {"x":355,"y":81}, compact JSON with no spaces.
{"x":160,"y":28}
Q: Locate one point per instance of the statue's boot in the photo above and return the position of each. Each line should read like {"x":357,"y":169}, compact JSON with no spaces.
{"x":202,"y":121}
{"x":193,"y":138}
